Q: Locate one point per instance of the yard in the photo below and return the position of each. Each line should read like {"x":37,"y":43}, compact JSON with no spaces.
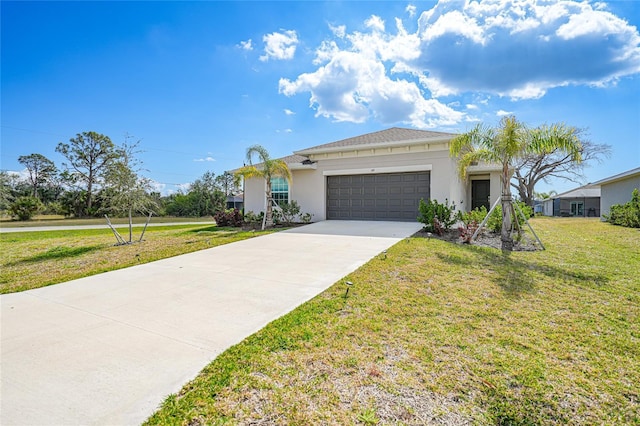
{"x":441,"y":333}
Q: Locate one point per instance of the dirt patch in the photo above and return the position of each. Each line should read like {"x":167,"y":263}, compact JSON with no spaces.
{"x":485,"y":239}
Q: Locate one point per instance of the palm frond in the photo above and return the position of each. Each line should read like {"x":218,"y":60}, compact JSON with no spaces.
{"x":260,"y":151}
{"x":280,"y":169}
{"x":557,"y":136}
{"x":248,"y":172}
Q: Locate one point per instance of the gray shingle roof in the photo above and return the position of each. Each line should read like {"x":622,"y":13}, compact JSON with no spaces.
{"x":294,"y":158}
{"x":394,"y":134}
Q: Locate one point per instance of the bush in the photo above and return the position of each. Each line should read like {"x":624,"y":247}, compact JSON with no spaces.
{"x":436,"y":217}
{"x":626,"y":214}
{"x":251,"y":217}
{"x":471,"y":220}
{"x":231,"y":217}
{"x":289,"y":211}
{"x":495,"y":220}
{"x":24,"y":208}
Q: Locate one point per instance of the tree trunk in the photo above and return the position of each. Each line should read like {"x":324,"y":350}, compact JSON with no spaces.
{"x":269,"y":211}
{"x":130,"y":227}
{"x":505,"y":235}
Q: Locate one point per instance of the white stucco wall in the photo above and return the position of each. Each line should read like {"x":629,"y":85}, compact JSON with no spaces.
{"x":254,"y":195}
{"x":617,"y":193}
{"x":308,"y":189}
{"x":308,"y":186}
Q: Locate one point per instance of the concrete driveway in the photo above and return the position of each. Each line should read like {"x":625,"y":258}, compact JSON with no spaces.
{"x":108,"y":349}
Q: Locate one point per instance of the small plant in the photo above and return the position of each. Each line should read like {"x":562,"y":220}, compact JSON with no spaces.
{"x":495,"y":220}
{"x":368,"y":417}
{"x":231,"y":217}
{"x":276,"y":217}
{"x":437,"y":217}
{"x":251,"y":217}
{"x":626,"y":214}
{"x":306,"y":217}
{"x":24,"y":208}
{"x":289,"y":211}
{"x":471,"y":220}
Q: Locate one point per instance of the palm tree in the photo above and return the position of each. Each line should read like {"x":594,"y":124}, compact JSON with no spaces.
{"x":506,"y":144}
{"x":267,"y":169}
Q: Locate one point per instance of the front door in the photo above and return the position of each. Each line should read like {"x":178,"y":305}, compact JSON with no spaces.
{"x":480,"y":193}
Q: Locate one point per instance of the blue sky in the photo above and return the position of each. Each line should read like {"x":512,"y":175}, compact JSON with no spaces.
{"x":199,"y":82}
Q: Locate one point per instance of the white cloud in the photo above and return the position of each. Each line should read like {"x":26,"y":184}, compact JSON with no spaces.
{"x":158,"y":187}
{"x":523,"y":48}
{"x":280,"y":46}
{"x":411,"y":10}
{"x":183,"y":187}
{"x":289,"y":112}
{"x":375,"y":23}
{"x":502,"y":113}
{"x":246,"y":45}
{"x":514,"y":48}
{"x":338,"y":30}
{"x":353,"y":88}
{"x":204,"y":159}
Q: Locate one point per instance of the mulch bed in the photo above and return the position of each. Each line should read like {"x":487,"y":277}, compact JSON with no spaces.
{"x":485,"y":239}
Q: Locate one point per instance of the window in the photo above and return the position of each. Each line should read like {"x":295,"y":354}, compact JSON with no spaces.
{"x":577,"y":208}
{"x":280,"y":190}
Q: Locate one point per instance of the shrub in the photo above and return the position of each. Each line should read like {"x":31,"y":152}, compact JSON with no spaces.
{"x":306,"y":217}
{"x":470,"y":222}
{"x":436,"y":217}
{"x":231,"y":217}
{"x":276,"y":216}
{"x":251,"y":217}
{"x":24,"y":208}
{"x":626,"y":214}
{"x":289,"y":211}
{"x":495,"y":220}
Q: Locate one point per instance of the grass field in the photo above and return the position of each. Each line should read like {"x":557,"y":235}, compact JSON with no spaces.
{"x":51,"y":220}
{"x":37,"y":259}
{"x":447,"y":334}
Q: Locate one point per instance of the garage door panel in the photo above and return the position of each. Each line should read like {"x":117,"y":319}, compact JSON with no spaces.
{"x":392,"y":196}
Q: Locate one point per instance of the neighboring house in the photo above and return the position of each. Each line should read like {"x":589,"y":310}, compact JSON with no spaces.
{"x":580,"y":202}
{"x":377,"y":176}
{"x":617,"y":189}
{"x":235,"y":201}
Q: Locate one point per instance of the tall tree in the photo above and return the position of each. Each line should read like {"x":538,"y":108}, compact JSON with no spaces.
{"x":41,"y":171}
{"x":227,"y":183}
{"x":506,"y":145}
{"x":267,"y":169}
{"x":88,"y":154}
{"x":206,"y":196}
{"x":554,"y":163}
{"x":6,"y":190}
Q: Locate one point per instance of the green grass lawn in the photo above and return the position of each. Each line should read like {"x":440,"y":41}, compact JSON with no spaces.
{"x":37,"y":259}
{"x":53,"y":220}
{"x":444,"y":333}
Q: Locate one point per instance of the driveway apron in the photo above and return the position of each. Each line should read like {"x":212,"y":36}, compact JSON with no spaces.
{"x":107,"y":349}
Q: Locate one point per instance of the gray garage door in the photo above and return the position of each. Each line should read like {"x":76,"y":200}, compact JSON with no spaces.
{"x":389,"y":196}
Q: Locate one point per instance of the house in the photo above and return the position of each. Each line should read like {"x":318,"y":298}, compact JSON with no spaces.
{"x":580,"y":202}
{"x":617,"y":189}
{"x":377,"y":176}
{"x":235,"y":201}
